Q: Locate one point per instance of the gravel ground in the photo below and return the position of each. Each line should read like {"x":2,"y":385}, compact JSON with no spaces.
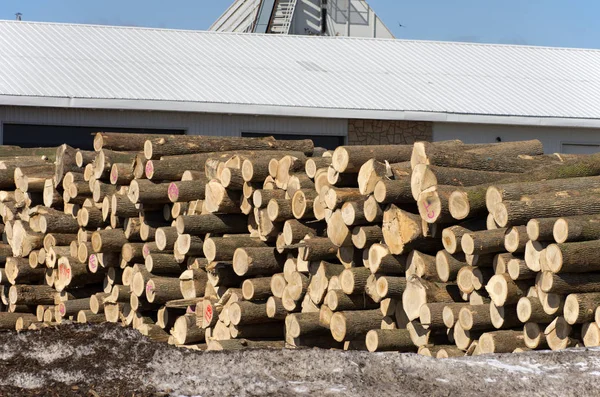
{"x":108,"y":360}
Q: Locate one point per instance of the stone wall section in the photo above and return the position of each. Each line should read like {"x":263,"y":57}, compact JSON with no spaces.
{"x":382,"y":132}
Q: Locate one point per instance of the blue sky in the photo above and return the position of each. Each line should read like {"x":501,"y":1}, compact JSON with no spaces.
{"x":572,"y":23}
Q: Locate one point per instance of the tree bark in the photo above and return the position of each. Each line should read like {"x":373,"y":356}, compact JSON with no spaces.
{"x":483,"y":242}
{"x":350,"y":158}
{"x":255,"y":261}
{"x":448,"y":265}
{"x":390,"y":340}
{"x":514,"y":191}
{"x":515,"y":239}
{"x":354,"y":280}
{"x":419,"y":292}
{"x":393,"y":192}
{"x":425,"y":176}
{"x":190,"y":144}
{"x":212,"y":223}
{"x":520,"y":212}
{"x":582,"y":228}
{"x":382,"y":261}
{"x":576,"y":257}
{"x":160,"y":290}
{"x":501,"y":341}
{"x":365,"y":236}
{"x":581,"y":308}
{"x":349,"y":325}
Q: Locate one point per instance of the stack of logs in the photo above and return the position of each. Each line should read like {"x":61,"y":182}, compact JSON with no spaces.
{"x":444,"y":248}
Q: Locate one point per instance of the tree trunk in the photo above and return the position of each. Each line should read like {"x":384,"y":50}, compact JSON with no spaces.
{"x":255,"y":261}
{"x":451,"y":236}
{"x":337,"y":300}
{"x":314,"y":163}
{"x":581,"y":228}
{"x":401,"y":227}
{"x":382,"y":261}
{"x":370,"y":174}
{"x":425,"y":176}
{"x":419,"y":292}
{"x":349,"y":325}
{"x":256,"y":289}
{"x":475,"y":318}
{"x":390,"y":340}
{"x":503,"y":157}
{"x":393,"y":192}
{"x":448,"y":265}
{"x":422,"y":265}
{"x":501,"y":341}
{"x":577,"y":257}
{"x":520,"y":212}
{"x":581,"y":308}
{"x":223,"y":248}
{"x":185,"y":330}
{"x":350,"y":158}
{"x":514,"y":191}
{"x":391,"y":287}
{"x":190,"y":144}
{"x":483,"y":242}
{"x":467,"y":202}
{"x":304,"y":324}
{"x":160,"y":290}
{"x":212,"y":223}
{"x":518,"y":270}
{"x":515,"y":239}
{"x":31,"y":295}
{"x":365,"y":236}
{"x":122,"y":173}
{"x":503,"y":290}
{"x":373,"y":211}
{"x":186,"y":191}
{"x":354,"y":280}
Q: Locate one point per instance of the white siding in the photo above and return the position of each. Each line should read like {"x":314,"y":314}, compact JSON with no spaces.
{"x":192,"y":123}
{"x":553,"y":138}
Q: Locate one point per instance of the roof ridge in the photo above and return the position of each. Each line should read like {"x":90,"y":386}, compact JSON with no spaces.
{"x":301,"y":37}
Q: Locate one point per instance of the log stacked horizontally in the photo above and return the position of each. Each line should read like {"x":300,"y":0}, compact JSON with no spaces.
{"x":442,"y":248}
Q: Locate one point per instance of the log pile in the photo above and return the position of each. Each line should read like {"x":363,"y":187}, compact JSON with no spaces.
{"x":445,"y":248}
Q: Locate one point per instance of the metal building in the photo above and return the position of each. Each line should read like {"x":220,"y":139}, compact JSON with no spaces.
{"x":85,"y":78}
{"x":352,"y":18}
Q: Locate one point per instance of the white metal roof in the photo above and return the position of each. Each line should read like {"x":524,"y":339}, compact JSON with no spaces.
{"x":84,"y":66}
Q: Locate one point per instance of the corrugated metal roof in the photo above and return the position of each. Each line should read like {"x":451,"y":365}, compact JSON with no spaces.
{"x":44,"y":64}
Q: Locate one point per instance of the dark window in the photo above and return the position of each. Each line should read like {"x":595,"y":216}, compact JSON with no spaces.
{"x":327,"y":141}
{"x":26,"y":135}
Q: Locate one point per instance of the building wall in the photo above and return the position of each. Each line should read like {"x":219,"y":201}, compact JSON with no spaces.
{"x":363,"y":20}
{"x":382,"y":132}
{"x":555,"y":139}
{"x":192,"y":123}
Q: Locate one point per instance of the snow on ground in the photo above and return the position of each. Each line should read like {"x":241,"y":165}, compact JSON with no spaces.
{"x":108,"y":360}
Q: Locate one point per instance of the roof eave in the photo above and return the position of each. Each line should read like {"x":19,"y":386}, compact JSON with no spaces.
{"x":292,"y":111}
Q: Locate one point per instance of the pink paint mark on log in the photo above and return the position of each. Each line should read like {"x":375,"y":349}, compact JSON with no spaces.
{"x":149,"y":168}
{"x":173,"y":192}
{"x":430,"y":214}
{"x":113,"y":175}
{"x":93,"y":263}
{"x":208,"y":313}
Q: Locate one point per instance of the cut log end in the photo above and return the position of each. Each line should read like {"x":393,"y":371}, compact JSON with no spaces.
{"x":430,"y":206}
{"x":501,"y":214}
{"x":458,"y":205}
{"x":468,"y":244}
{"x":338,"y":326}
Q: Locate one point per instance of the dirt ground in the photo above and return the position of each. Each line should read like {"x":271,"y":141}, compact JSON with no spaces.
{"x":108,"y":360}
